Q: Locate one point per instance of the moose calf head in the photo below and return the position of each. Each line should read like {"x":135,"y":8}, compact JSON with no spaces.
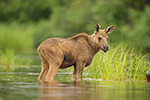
{"x":100,"y":37}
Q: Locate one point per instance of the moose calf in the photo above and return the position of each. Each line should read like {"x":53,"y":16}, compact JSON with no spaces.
{"x":77,"y":51}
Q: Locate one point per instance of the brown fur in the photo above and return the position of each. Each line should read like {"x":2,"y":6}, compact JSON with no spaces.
{"x":77,"y":51}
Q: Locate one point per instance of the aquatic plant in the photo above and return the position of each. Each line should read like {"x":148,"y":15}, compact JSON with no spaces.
{"x":121,"y":63}
{"x":7,"y":59}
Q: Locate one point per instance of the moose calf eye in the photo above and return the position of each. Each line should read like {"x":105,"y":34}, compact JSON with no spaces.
{"x":99,"y":38}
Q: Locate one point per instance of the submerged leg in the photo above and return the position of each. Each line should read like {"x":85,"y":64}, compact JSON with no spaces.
{"x":74,"y":74}
{"x":54,"y":57}
{"x":45,"y":68}
{"x":79,"y":71}
{"x":53,"y":71}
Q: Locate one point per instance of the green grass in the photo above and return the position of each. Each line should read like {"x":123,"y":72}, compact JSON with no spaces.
{"x":119,"y":64}
{"x":8,"y":60}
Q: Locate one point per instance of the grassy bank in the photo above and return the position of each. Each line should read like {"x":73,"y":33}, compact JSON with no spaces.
{"x":120,"y":64}
{"x":8,"y":60}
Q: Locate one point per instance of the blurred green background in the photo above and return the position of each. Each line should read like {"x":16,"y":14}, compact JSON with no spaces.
{"x":24,"y":24}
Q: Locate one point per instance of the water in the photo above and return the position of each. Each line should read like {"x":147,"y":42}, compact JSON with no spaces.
{"x":22,"y":84}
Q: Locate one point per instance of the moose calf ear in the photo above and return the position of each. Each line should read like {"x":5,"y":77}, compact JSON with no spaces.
{"x":97,"y":27}
{"x":109,"y":29}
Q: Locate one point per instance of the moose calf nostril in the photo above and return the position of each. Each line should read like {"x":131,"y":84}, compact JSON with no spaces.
{"x":105,"y":49}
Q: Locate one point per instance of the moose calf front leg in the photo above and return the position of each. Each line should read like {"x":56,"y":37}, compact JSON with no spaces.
{"x":79,"y":70}
{"x":74,"y":74}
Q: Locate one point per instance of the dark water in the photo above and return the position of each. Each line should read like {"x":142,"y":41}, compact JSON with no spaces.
{"x":22,"y":84}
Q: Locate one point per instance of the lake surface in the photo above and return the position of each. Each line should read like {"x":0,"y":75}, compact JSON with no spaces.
{"x":22,"y":84}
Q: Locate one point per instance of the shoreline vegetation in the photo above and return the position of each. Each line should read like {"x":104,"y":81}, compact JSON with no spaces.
{"x":8,"y":60}
{"x":121,"y":63}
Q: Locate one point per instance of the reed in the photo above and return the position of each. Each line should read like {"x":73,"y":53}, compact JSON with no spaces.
{"x":121,"y":63}
{"x":8,"y":60}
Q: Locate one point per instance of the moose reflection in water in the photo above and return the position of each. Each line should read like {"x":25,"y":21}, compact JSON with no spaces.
{"x":53,"y":90}
{"x":77,"y":51}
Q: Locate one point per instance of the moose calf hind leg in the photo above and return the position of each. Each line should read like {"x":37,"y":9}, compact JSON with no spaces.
{"x":55,"y":59}
{"x":45,"y":68}
{"x":53,"y":69}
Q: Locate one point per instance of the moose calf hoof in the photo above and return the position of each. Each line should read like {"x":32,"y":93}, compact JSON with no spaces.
{"x":40,"y":79}
{"x":148,"y":75}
